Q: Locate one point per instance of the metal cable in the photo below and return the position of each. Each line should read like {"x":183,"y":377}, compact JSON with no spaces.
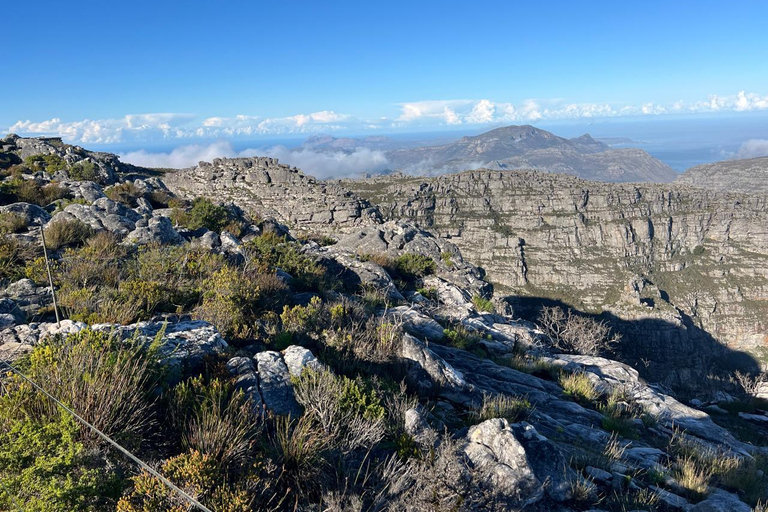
{"x":139,"y":462}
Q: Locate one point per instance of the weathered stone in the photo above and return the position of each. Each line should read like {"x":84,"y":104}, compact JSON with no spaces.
{"x":494,"y":450}
{"x":158,"y":230}
{"x":299,"y":358}
{"x":721,"y":501}
{"x":275,"y":384}
{"x":32,"y":214}
{"x":417,"y":323}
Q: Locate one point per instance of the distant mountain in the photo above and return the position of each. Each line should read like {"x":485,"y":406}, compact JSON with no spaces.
{"x":527,"y":147}
{"x":748,"y":176}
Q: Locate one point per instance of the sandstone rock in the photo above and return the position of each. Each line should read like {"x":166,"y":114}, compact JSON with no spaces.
{"x":494,"y":450}
{"x":275,"y":384}
{"x":417,"y":323}
{"x":441,"y":373}
{"x":721,"y":501}
{"x":298,"y":358}
{"x":247,"y":379}
{"x":32,"y":214}
{"x":158,"y":230}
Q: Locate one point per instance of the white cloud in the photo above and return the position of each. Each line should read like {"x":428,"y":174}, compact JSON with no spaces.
{"x":753,"y":149}
{"x":430,"y":113}
{"x":319,"y":164}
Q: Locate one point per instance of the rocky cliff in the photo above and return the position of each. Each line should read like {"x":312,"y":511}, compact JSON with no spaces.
{"x":265,"y":186}
{"x":682,"y":267}
{"x":748,"y":176}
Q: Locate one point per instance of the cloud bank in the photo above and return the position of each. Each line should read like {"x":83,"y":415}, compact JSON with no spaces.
{"x":322,"y":165}
{"x":753,"y":148}
{"x":414,"y":115}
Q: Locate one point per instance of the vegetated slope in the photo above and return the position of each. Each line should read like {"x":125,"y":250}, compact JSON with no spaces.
{"x":366,"y":371}
{"x":749,"y":176}
{"x":689,"y":258}
{"x":527,"y":147}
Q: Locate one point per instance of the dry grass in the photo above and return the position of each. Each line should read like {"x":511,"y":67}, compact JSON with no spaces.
{"x":214,"y":420}
{"x":511,"y":408}
{"x":614,"y":449}
{"x":66,"y":232}
{"x":105,"y":380}
{"x":578,"y":386}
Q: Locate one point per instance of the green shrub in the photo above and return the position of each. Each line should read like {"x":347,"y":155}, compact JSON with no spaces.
{"x":460,"y":337}
{"x":43,"y":467}
{"x":230,"y":301}
{"x":109,"y":381}
{"x":48,"y":163}
{"x":30,"y":191}
{"x":269,"y":252}
{"x":579,"y":386}
{"x":412,"y":265}
{"x":203,"y":214}
{"x":428,"y":293}
{"x":447,"y":259}
{"x":84,"y":171}
{"x":483,"y":305}
{"x":198,"y":474}
{"x":66,"y":232}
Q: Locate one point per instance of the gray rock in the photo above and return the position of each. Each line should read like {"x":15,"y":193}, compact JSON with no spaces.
{"x":546,"y":460}
{"x":598,"y":475}
{"x":417,"y":323}
{"x":275,"y":384}
{"x":494,"y":450}
{"x":671,"y":500}
{"x":721,"y":501}
{"x":449,"y":381}
{"x":247,"y":380}
{"x":158,"y":230}
{"x":208,"y":240}
{"x":33,"y":214}
{"x":298,"y":358}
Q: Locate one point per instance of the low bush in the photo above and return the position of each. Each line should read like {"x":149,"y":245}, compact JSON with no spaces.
{"x":483,"y":305}
{"x":214,"y":420}
{"x":12,"y":223}
{"x":510,"y":408}
{"x":126,"y":193}
{"x":413,"y":266}
{"x":84,"y":171}
{"x":64,"y":233}
{"x":44,"y":467}
{"x":203,"y":214}
{"x":48,"y":163}
{"x":14,"y":256}
{"x":198,"y":474}
{"x":572,"y":333}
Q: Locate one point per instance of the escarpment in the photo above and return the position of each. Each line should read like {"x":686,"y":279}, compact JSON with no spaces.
{"x":687,"y":268}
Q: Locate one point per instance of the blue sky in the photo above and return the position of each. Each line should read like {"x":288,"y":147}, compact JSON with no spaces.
{"x":139,"y":71}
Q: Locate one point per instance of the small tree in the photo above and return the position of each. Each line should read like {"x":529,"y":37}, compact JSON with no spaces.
{"x":572,"y":333}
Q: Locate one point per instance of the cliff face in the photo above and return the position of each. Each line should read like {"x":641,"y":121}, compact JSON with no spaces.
{"x":681,"y":272}
{"x":748,"y":176}
{"x":265,"y":186}
{"x":683,"y":267}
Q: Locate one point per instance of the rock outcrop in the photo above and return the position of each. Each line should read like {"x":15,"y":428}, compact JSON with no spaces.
{"x":271,"y":189}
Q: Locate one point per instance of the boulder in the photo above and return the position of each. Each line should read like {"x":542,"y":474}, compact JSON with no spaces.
{"x":158,"y":230}
{"x":417,"y":323}
{"x":275,"y":384}
{"x":495,"y":452}
{"x":442,"y":375}
{"x":721,"y":501}
{"x":247,"y":380}
{"x":33,"y":214}
{"x":298,"y":358}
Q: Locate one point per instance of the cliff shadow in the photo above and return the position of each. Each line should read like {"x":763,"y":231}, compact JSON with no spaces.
{"x":680,"y":356}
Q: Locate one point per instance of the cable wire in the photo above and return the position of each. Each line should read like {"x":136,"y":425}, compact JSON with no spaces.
{"x":139,"y":462}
